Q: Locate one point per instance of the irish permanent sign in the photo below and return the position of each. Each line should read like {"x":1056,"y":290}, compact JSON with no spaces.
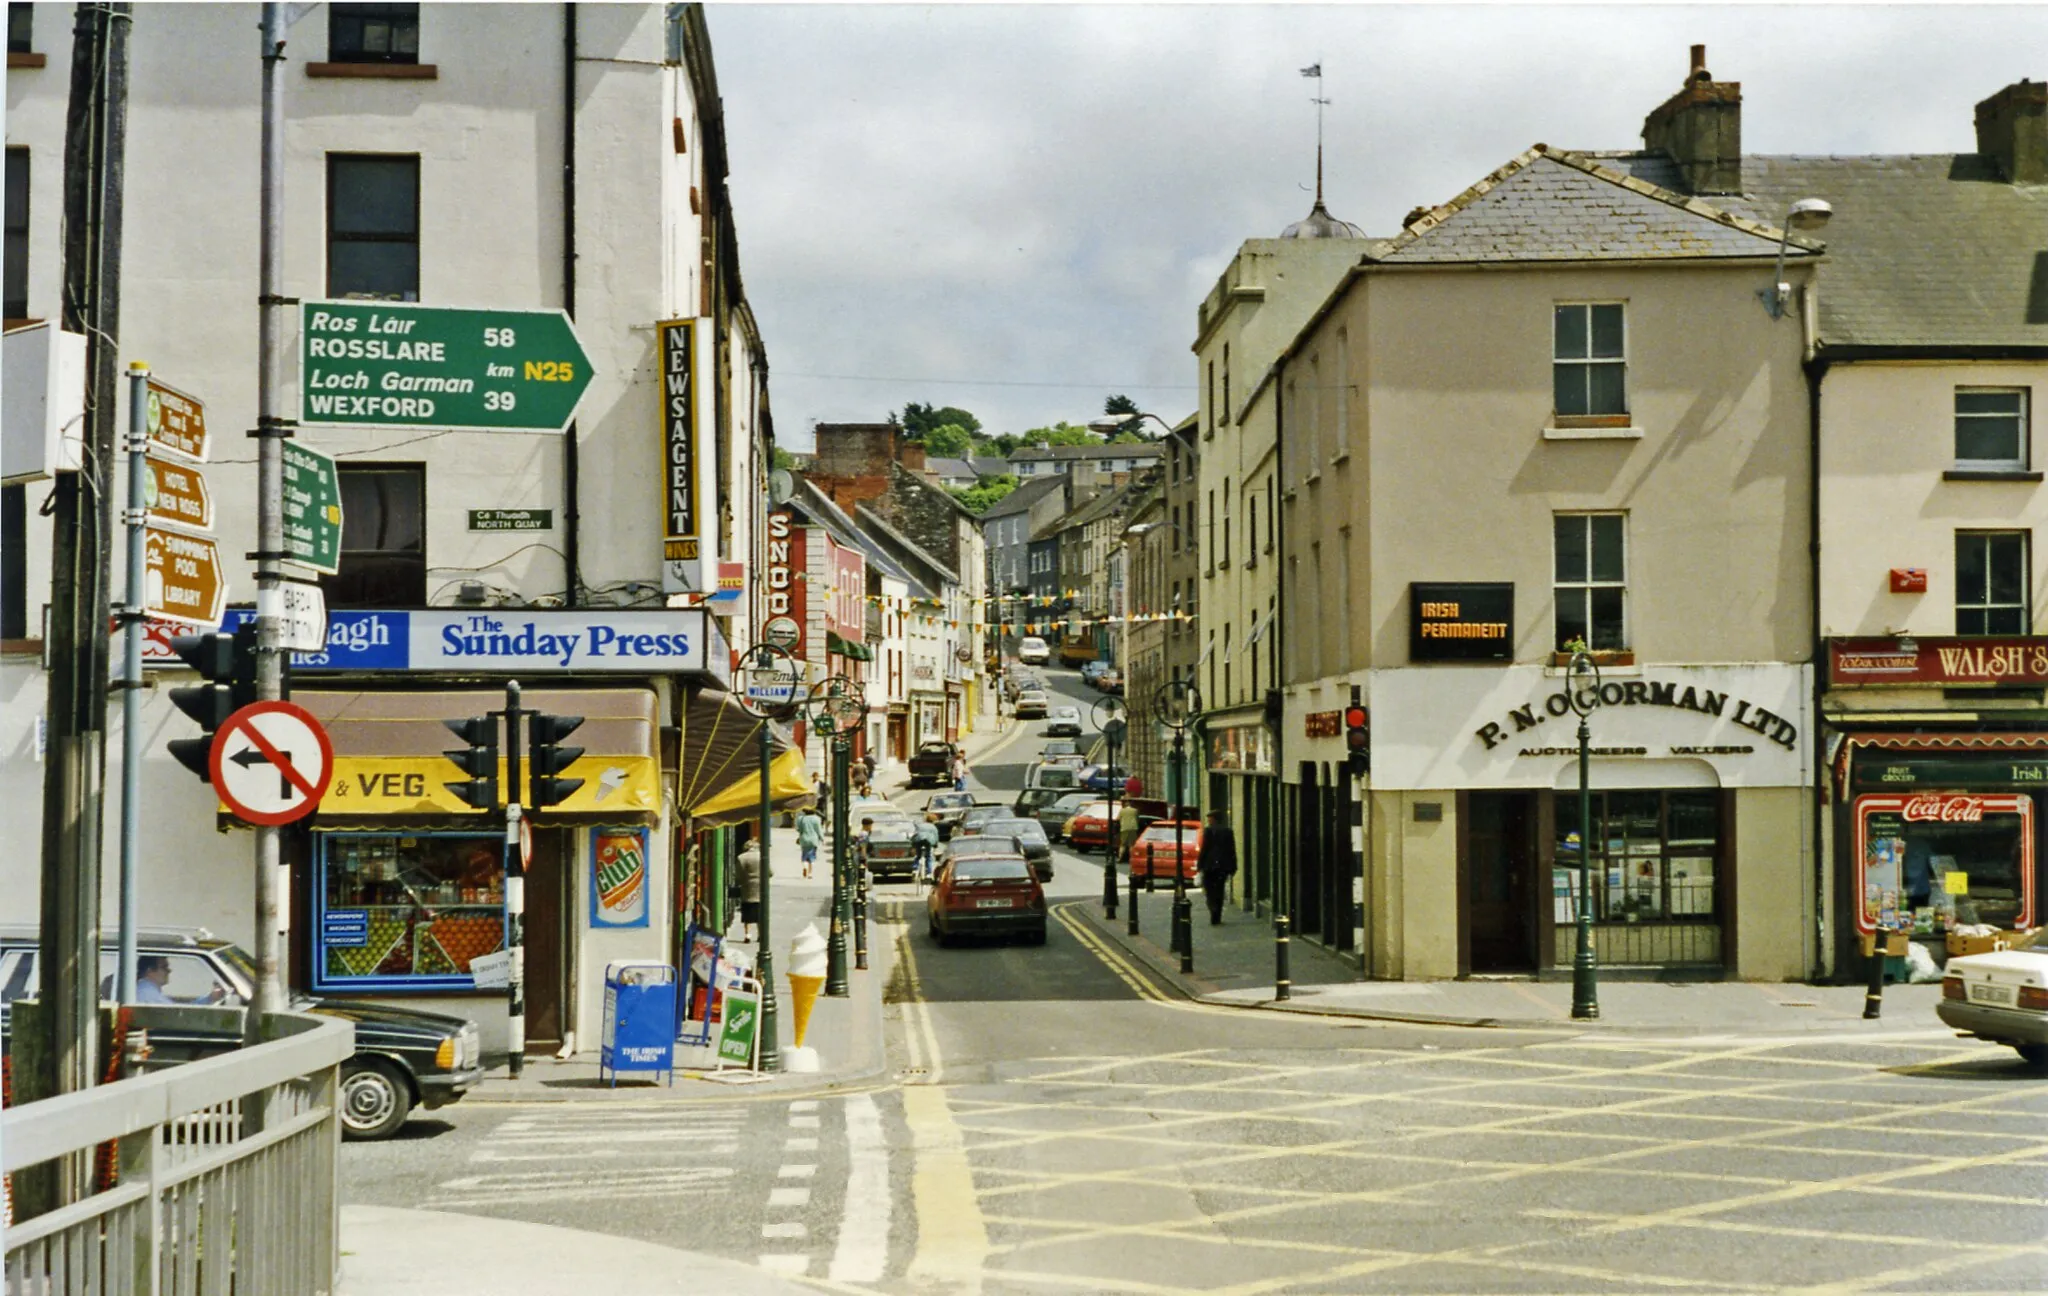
{"x":1461,"y":621}
{"x":393,"y":364}
{"x":312,"y":509}
{"x":682,"y":350}
{"x":1944,"y":662}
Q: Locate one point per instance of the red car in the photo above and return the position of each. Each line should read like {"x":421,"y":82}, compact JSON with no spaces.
{"x":1088,"y":829}
{"x":1152,"y":855}
{"x":996,"y":893}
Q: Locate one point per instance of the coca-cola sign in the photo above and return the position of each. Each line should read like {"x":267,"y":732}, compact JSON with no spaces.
{"x":1934,"y":807}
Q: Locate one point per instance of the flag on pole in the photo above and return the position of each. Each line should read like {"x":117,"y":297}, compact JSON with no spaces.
{"x":1313,"y":70}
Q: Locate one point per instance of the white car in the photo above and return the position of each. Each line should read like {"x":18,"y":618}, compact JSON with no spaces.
{"x":1032,"y":704}
{"x":1033,"y":652}
{"x":1063,"y":722}
{"x":2001,"y":997}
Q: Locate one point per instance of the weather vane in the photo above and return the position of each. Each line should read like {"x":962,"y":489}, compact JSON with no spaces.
{"x":1315,"y":72}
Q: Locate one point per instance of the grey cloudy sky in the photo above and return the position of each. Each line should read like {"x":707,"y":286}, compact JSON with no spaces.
{"x":1018,"y":209}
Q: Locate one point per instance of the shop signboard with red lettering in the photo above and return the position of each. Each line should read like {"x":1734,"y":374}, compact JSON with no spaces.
{"x":1942,"y":662}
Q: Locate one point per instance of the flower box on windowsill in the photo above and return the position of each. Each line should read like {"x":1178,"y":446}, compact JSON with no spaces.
{"x":1605,"y":658}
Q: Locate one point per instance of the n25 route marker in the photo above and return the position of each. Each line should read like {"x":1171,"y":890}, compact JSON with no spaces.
{"x":398,"y":365}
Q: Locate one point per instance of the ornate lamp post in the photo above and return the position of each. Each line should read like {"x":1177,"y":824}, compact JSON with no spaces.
{"x":1108,"y":714}
{"x":1178,"y":704}
{"x":1582,"y":689}
{"x":769,"y":692}
{"x":834,"y":709}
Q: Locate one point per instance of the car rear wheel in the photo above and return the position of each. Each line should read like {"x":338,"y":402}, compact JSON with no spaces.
{"x":2034,"y":1053}
{"x":375,"y":1100}
{"x":1036,"y":937}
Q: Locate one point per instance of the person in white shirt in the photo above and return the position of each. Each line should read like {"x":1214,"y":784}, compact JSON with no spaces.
{"x":153,"y":973}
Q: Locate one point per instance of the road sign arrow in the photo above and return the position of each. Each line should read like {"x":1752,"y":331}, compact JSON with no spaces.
{"x":394,"y":364}
{"x":292,"y":743}
{"x":182,"y":577}
{"x":255,"y":756}
{"x":176,"y":423}
{"x":176,"y":494}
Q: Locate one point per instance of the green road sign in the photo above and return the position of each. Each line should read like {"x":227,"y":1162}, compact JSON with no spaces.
{"x":392,"y":364}
{"x":312,"y":509}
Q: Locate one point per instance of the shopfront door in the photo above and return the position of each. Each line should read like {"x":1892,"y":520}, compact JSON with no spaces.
{"x":1500,"y":869}
{"x":547,"y":908}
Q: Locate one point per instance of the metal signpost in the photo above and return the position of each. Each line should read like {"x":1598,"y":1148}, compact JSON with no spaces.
{"x":769,"y":692}
{"x":395,"y":364}
{"x":836,"y":708}
{"x":1584,"y":694}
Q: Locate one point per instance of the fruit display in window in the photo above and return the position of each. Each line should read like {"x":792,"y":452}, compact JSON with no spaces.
{"x":385,"y":942}
{"x":450,"y":943}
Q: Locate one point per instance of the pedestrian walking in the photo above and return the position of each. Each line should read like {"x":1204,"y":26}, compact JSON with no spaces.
{"x":1216,"y":864}
{"x":860,"y":846}
{"x":867,"y":762}
{"x":746,"y":882}
{"x":959,"y":773}
{"x":810,"y":835}
{"x":927,"y":845}
{"x":1126,"y":829}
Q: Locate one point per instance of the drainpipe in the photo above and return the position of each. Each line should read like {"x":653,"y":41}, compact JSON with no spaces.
{"x":572,"y":548}
{"x":1823,"y":962}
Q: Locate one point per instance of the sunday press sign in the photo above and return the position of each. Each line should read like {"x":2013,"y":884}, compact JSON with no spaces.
{"x":652,"y":642}
{"x":398,"y":365}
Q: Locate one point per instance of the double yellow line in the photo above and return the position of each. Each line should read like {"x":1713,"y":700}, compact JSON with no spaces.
{"x":1113,"y":959}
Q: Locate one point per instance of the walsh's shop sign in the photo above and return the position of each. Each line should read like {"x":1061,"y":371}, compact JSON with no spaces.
{"x":501,"y":642}
{"x":1948,"y":663}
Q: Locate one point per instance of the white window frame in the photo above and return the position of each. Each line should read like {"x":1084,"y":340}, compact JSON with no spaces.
{"x":2019,"y":463}
{"x":1584,"y":588}
{"x":1606,"y":418}
{"x":2025,"y":605}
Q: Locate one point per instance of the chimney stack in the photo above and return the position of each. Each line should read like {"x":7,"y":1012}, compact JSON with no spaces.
{"x":1701,"y":128}
{"x":2012,"y":130}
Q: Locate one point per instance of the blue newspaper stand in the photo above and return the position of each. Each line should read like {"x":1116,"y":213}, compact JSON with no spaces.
{"x":639,"y":1019}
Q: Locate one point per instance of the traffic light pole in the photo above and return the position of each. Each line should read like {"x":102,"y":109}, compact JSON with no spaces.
{"x":515,"y":891}
{"x":132,"y":616}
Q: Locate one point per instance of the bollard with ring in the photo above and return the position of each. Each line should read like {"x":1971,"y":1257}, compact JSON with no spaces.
{"x":1108,"y":714}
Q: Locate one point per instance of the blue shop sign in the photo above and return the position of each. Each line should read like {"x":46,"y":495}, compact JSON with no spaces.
{"x":349,"y":928}
{"x":501,"y":641}
{"x":356,"y":641}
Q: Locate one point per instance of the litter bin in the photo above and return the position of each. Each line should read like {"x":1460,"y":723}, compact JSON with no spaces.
{"x":639,"y":1019}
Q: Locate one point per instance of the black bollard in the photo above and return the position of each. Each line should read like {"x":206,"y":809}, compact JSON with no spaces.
{"x":1873,"y":992}
{"x":1109,"y":874}
{"x":1184,"y":932}
{"x":860,"y":925}
{"x":1283,"y":984}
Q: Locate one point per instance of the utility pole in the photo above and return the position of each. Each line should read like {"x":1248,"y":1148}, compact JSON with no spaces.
{"x":132,"y":617}
{"x":271,"y":430}
{"x":80,"y":648}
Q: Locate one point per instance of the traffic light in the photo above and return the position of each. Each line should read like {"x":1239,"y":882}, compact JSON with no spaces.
{"x":479,"y":760}
{"x":1357,"y":739}
{"x":227,"y":666}
{"x":544,"y":734}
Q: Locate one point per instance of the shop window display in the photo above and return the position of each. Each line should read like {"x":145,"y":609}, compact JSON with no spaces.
{"x":1934,"y":860}
{"x":401,"y":911}
{"x":1654,"y":854}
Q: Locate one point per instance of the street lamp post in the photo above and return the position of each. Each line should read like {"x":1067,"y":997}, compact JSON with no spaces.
{"x":1583,"y":692}
{"x":829,"y":709}
{"x":1109,"y":718}
{"x":770,"y":693}
{"x":1177,"y":703}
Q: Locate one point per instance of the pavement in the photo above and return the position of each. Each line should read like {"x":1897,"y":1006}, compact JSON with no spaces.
{"x":1234,"y":966}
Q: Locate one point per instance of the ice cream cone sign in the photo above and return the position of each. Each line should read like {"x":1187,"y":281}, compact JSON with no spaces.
{"x":806,"y":976}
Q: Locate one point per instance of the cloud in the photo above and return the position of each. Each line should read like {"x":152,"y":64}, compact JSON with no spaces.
{"x":1018,"y":209}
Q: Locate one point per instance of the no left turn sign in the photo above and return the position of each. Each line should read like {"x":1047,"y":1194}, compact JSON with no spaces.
{"x":271,"y":763}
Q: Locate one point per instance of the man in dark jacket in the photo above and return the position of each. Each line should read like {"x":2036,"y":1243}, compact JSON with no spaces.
{"x":1217,"y":863}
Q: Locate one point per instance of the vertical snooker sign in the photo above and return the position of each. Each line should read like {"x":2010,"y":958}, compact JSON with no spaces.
{"x":682,"y":405}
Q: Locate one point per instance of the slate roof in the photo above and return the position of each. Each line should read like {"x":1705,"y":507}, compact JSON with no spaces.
{"x":949,"y":468}
{"x":867,"y":517}
{"x":1028,"y":492}
{"x":1923,"y":250}
{"x":1552,"y":205}
{"x":989,"y":465}
{"x":1128,"y":450}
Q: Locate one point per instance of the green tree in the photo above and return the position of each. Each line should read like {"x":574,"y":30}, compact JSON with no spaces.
{"x":1120,"y":404}
{"x":1008,"y":444}
{"x":784,"y":459}
{"x":1061,"y":433}
{"x":986,"y":492}
{"x":921,"y":420}
{"x":949,"y":440}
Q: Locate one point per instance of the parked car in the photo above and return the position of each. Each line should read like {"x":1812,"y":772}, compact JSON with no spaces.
{"x":1055,"y":773}
{"x":1063,"y":722}
{"x":1032,"y":704}
{"x":1152,"y":854}
{"x":1029,"y":837}
{"x":892,"y":848}
{"x":1088,"y":828}
{"x":1059,"y":747}
{"x":2001,"y":997}
{"x":1092,"y":671}
{"x":404,"y":1058}
{"x":995,"y":893}
{"x":1111,"y":681}
{"x":946,"y":808}
{"x":1033,"y":651}
{"x":931,"y":765}
{"x":1053,"y":815}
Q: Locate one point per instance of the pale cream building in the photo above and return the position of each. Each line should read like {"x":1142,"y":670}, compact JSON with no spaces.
{"x":1555,"y":409}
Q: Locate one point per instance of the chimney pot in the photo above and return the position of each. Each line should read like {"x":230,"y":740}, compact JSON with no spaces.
{"x":1699,"y":63}
{"x":2012,"y":131}
{"x":1700,"y":127}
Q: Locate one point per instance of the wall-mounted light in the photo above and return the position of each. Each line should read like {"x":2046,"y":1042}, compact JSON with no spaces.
{"x":1803,"y":217}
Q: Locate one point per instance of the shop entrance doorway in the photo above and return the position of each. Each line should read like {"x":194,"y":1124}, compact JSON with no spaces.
{"x":1500,"y":873}
{"x":546,"y":914}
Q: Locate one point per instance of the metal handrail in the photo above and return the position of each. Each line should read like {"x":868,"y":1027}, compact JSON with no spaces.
{"x":227,"y":1172}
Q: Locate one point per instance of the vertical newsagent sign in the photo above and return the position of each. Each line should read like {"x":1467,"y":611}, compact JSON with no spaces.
{"x":684,"y":410}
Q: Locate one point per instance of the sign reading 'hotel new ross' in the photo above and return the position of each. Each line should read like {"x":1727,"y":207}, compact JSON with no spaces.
{"x":1951,"y":662}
